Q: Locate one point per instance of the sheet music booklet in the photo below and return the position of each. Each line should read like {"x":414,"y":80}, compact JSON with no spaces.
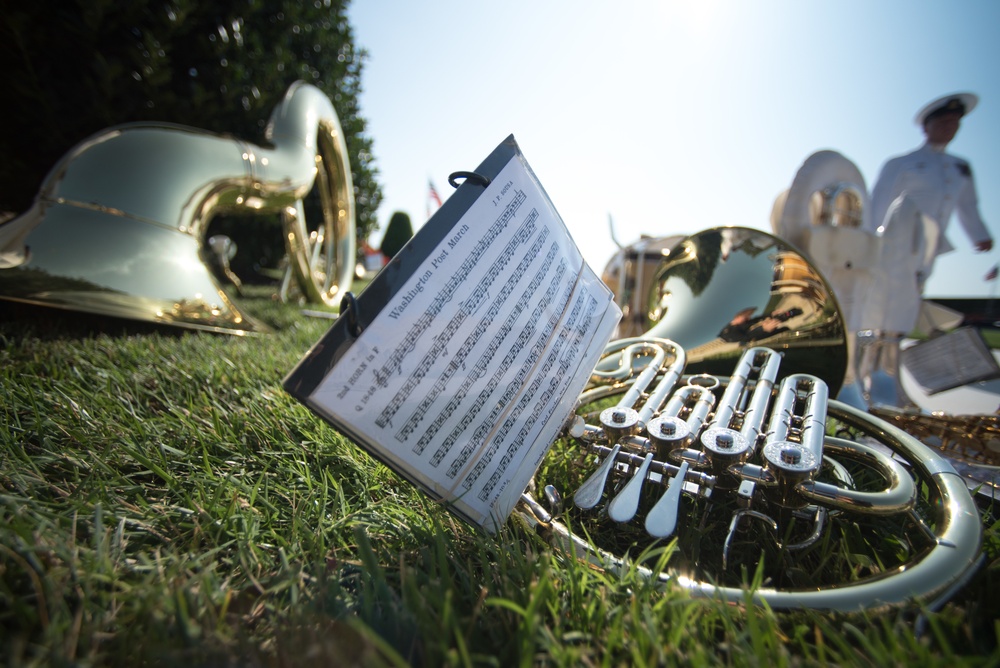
{"x":460,"y":363}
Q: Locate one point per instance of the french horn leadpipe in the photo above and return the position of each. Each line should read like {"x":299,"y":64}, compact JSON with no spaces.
{"x":118,"y":225}
{"x":778,"y":465}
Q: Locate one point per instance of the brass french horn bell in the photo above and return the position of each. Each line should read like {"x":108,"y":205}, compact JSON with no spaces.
{"x":722,"y":290}
{"x":119,"y":223}
{"x":716,"y":428}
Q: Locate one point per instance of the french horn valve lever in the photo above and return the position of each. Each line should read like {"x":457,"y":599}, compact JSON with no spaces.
{"x":662,"y":518}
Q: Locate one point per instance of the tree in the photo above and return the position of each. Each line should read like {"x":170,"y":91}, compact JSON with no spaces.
{"x":397,"y":233}
{"x":72,"y":68}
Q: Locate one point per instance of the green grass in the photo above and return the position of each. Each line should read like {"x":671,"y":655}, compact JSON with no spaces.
{"x":991,"y":336}
{"x":164,"y":502}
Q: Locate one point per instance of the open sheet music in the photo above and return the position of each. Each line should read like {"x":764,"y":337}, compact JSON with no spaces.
{"x":472,"y":350}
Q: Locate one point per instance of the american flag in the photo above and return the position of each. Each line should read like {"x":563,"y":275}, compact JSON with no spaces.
{"x":991,"y":275}
{"x":432,"y":194}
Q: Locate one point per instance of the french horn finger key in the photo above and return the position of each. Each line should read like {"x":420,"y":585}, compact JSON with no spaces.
{"x":662,"y":518}
{"x":624,"y":506}
{"x":592,"y":489}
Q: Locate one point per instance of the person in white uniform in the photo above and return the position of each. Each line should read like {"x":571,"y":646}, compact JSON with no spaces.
{"x":938,"y":183}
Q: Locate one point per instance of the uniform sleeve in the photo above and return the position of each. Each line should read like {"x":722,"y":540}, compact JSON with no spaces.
{"x":968,"y":212}
{"x":887,"y":189}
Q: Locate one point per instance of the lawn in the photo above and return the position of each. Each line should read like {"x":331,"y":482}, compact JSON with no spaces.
{"x":165,"y":502}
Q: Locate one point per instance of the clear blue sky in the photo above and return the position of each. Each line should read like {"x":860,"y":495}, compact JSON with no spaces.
{"x":672,"y":116}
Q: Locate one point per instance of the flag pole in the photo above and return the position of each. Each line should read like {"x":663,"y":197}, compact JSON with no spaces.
{"x":991,"y":276}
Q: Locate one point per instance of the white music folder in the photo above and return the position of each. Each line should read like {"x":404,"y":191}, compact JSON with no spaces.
{"x":460,"y":363}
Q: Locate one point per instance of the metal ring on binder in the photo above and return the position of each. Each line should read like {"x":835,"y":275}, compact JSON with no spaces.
{"x":468,"y":176}
{"x":349,"y":307}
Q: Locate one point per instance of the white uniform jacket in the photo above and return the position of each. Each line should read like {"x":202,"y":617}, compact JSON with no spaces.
{"x":938,"y":183}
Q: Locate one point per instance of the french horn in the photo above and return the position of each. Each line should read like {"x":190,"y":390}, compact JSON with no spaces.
{"x":119,"y":223}
{"x":716,"y":460}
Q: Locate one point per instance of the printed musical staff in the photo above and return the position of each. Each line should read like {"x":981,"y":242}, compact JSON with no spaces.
{"x":461,"y":354}
{"x":501,"y":402}
{"x":481,"y":366}
{"x":469,"y":306}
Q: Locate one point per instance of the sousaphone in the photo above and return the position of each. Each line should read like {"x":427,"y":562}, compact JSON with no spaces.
{"x":118,"y":227}
{"x":716,"y":429}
